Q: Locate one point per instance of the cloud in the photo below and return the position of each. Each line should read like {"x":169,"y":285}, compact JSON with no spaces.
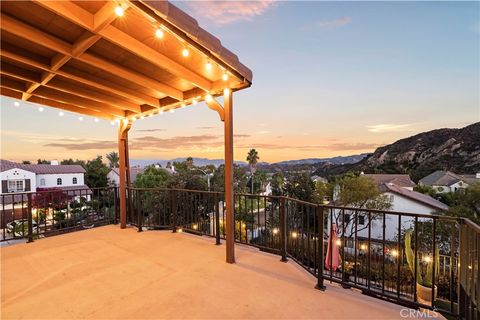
{"x":241,"y":135}
{"x":227,"y":12}
{"x":151,"y":130}
{"x":380,"y":128}
{"x":95,"y":145}
{"x":206,"y":128}
{"x":340,"y":22}
{"x":263,"y":132}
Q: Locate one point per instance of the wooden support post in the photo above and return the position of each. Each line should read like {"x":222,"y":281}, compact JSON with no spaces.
{"x":229,"y":200}
{"x":123,"y":170}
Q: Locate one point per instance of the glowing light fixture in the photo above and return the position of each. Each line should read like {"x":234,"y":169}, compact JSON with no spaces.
{"x":195,"y":101}
{"x":225,"y":76}
{"x":294,"y":235}
{"x":208,"y":97}
{"x":185,"y":52}
{"x":159,"y":33}
{"x":208,"y":66}
{"x":16,"y":104}
{"x":195,"y":227}
{"x":363,"y":247}
{"x":41,"y":109}
{"x":96,"y":119}
{"x":275,"y":231}
{"x":338,"y":242}
{"x":394,"y":253}
{"x":80,"y":118}
{"x":427,"y":259}
{"x":180,"y":230}
{"x":61,"y":114}
{"x":172,"y":110}
{"x":119,"y":11}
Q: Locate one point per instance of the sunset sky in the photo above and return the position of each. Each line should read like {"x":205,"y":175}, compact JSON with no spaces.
{"x":329,"y":78}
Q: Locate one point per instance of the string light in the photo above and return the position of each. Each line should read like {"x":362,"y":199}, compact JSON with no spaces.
{"x":17,"y":104}
{"x":363,"y":247}
{"x":185,"y":52}
{"x":195,"y":101}
{"x":125,"y":121}
{"x":112,"y":123}
{"x":41,"y":109}
{"x":61,"y":114}
{"x":195,"y":227}
{"x":119,"y":11}
{"x":142,"y":117}
{"x":225,"y":76}
{"x":208,"y":97}
{"x":159,"y":33}
{"x":172,"y":111}
{"x":183,"y":105}
{"x":96,"y":119}
{"x":80,"y":118}
{"x":208,"y":66}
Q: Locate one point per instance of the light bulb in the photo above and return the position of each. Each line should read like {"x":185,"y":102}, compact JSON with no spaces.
{"x":294,"y":235}
{"x":133,"y":119}
{"x":80,"y":118}
{"x":427,"y":259}
{"x":338,"y":242}
{"x":183,"y":105}
{"x":112,"y":123}
{"x":208,"y":66}
{"x":96,"y":119}
{"x":208,"y":97}
{"x":61,"y":114}
{"x":225,"y":76}
{"x":119,"y":11}
{"x":142,"y":117}
{"x":195,"y":101}
{"x":185,"y":52}
{"x":172,"y":111}
{"x":16,"y":103}
{"x":394,"y":253}
{"x":159,"y":33}
{"x":125,"y":121}
{"x":41,"y":109}
{"x":275,"y":230}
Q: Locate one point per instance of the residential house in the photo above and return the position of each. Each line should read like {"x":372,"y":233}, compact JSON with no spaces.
{"x":316,"y":179}
{"x":114,"y":177}
{"x":444,"y":181}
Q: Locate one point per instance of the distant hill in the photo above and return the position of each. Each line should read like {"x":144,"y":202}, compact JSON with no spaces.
{"x":197,"y":161}
{"x":334,"y":160}
{"x":457,"y":150}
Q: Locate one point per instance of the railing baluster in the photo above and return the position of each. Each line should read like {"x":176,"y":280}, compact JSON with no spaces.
{"x":283,"y":230}
{"x":320,"y":218}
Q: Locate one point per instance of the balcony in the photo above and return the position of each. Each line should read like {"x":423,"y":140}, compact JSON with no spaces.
{"x":150,"y":271}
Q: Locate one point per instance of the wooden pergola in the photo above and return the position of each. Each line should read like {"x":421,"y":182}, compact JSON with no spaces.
{"x":120,"y":61}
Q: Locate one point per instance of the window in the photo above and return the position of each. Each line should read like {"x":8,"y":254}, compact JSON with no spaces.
{"x":42,"y":182}
{"x":59,"y":181}
{"x":361,"y":220}
{"x":391,"y":198}
{"x":15,"y":186}
{"x":74,"y":180}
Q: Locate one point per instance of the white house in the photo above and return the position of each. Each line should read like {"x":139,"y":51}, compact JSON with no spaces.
{"x":444,"y":181}
{"x":114,"y":177}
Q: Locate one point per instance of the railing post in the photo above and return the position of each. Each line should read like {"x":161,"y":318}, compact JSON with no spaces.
{"x":321,"y":220}
{"x":462,"y":270}
{"x":217,"y":220}
{"x":115,"y":205}
{"x":29,"y":218}
{"x":139,"y":211}
{"x":173,"y":201}
{"x":283,"y":230}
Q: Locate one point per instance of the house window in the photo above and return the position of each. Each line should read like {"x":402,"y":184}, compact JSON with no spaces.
{"x":42,"y":182}
{"x":15,"y":186}
{"x":74,"y":180}
{"x":59,"y":181}
{"x":347,"y":219}
{"x":361,"y":220}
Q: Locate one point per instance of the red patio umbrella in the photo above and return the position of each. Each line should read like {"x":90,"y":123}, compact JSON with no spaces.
{"x":332,"y":260}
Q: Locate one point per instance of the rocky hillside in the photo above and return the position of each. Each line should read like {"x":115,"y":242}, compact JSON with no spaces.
{"x":457,"y":150}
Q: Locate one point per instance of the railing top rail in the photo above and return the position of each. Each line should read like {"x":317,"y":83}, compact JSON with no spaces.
{"x":471,"y":224}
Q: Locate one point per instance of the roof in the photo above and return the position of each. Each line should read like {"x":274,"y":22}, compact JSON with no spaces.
{"x":440,"y":178}
{"x":401,"y":180}
{"x":415,"y":196}
{"x":82,"y":57}
{"x":470,"y":178}
{"x":133,"y":172}
{"x":42,"y":168}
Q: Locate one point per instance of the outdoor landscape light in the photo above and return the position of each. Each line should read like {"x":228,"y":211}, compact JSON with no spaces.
{"x":427,"y":259}
{"x":61,"y":114}
{"x":394,"y":253}
{"x":338,"y":242}
{"x":16,"y":103}
{"x":159,"y":33}
{"x":294,"y":235}
{"x":180,"y":230}
{"x":119,"y":11}
{"x":363,"y":247}
{"x":275,"y":230}
{"x":195,"y":227}
{"x":185,"y":52}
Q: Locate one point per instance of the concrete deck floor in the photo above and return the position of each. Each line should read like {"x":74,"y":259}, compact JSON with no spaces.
{"x":108,"y":273}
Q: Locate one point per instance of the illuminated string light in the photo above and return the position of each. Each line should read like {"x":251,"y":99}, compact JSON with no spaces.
{"x":195,"y":227}
{"x":41,"y":109}
{"x":96,"y":119}
{"x":142,"y":117}
{"x":159,"y":33}
{"x":208,"y":97}
{"x":195,"y":101}
{"x":363,"y":247}
{"x":112,"y":123}
{"x":80,"y":118}
{"x":61,"y":114}
{"x":180,"y":230}
{"x":16,"y":104}
{"x":427,"y":259}
{"x":172,"y":111}
{"x":225,"y":76}
{"x":119,"y":11}
{"x":183,"y":105}
{"x":185,"y":52}
{"x":208,"y":66}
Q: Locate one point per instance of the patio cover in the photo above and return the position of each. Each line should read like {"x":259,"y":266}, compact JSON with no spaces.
{"x":119,"y":60}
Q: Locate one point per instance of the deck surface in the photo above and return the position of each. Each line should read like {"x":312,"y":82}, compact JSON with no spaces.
{"x":108,"y":273}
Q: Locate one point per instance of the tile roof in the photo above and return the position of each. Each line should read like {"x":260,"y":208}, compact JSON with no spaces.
{"x":401,"y":180}
{"x":440,"y":178}
{"x":42,"y":168}
{"x":415,"y":196}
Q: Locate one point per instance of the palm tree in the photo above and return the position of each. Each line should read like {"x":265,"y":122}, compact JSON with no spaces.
{"x":113,"y":159}
{"x":252,"y":158}
{"x":190,"y":163}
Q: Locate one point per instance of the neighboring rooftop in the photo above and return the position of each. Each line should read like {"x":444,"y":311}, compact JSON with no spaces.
{"x":42,"y":168}
{"x":440,"y":178}
{"x":415,"y":196}
{"x":401,"y":180}
{"x":108,"y":273}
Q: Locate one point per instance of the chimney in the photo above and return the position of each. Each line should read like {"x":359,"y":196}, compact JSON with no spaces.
{"x":54,"y":162}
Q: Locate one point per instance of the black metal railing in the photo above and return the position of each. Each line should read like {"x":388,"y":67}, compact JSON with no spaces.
{"x":421,"y":261}
{"x":43,"y":213}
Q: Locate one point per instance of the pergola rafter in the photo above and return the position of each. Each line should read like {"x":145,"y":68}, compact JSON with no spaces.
{"x":108,"y":59}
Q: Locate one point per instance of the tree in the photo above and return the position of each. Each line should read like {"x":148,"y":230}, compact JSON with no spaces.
{"x":43,"y":161}
{"x":113,"y":159}
{"x":278,"y":184}
{"x":26,"y":162}
{"x":96,"y":173}
{"x":189,"y":163}
{"x":151,"y":177}
{"x":464,"y":203}
{"x":252,"y":158}
{"x":239,"y":179}
{"x":71,"y":161}
{"x":300,"y":186}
